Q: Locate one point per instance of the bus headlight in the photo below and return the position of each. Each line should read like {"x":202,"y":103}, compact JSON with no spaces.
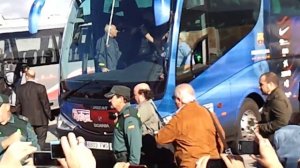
{"x":64,"y":124}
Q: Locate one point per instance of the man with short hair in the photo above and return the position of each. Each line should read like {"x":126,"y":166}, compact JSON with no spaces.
{"x":127,"y":140}
{"x":277,"y":109}
{"x":108,"y":50}
{"x":13,"y":128}
{"x":32,"y":102}
{"x":146,"y":109}
{"x":191,"y":129}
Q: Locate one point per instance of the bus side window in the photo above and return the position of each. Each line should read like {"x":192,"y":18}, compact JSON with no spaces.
{"x":8,"y":56}
{"x":30,"y":57}
{"x":48,"y":55}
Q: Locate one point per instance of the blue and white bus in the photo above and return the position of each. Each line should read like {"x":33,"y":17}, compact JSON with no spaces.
{"x":232,"y":42}
{"x":31,"y":34}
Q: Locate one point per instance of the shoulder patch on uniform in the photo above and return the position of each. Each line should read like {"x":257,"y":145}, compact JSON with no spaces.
{"x":131,"y":127}
{"x":23,"y":117}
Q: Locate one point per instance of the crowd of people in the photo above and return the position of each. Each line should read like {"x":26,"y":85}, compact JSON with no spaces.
{"x":140,"y":135}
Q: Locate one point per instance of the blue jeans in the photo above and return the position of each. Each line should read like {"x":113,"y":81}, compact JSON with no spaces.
{"x":287,"y":145}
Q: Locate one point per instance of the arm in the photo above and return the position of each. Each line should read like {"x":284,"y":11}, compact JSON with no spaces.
{"x":134,"y":139}
{"x":169,"y":132}
{"x":5,"y":142}
{"x":281,"y":118}
{"x":100,"y":50}
{"x":45,"y":101}
{"x":218,"y":124}
{"x":31,"y":136}
{"x":18,"y":107}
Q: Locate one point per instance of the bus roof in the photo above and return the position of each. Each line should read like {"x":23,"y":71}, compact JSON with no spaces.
{"x":54,"y":14}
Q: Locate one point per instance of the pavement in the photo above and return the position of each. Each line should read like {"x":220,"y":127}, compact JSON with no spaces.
{"x":52,"y":136}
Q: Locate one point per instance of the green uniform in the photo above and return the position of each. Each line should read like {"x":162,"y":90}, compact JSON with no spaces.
{"x":128,"y":134}
{"x":17,"y":123}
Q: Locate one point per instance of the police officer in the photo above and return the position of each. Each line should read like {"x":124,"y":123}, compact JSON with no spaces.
{"x":127,"y":140}
{"x":13,"y":128}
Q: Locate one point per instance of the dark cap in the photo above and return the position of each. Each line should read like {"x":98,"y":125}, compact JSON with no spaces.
{"x":3,"y":99}
{"x":119,"y":90}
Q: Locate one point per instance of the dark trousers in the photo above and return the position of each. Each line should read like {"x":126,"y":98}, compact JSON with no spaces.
{"x":157,"y":156}
{"x":41,"y":132}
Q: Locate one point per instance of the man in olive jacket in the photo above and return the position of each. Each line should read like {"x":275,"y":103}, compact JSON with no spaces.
{"x":277,"y":109}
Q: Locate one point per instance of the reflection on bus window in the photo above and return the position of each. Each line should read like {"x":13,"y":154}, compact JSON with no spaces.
{"x":214,"y":28}
{"x":33,"y":50}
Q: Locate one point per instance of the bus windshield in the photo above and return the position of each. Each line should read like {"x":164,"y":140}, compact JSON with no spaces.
{"x":115,"y":43}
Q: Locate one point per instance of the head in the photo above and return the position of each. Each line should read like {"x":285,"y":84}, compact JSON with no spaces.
{"x":268,"y":82}
{"x":25,"y":68}
{"x":184,"y":94}
{"x":142,"y":93}
{"x":30,"y":74}
{"x":5,"y":113}
{"x":118,"y":96}
{"x":113,"y":32}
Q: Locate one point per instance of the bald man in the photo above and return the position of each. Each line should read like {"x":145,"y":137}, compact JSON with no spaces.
{"x":191,"y":129}
{"x":146,"y":109}
{"x":33,"y":103}
{"x":109,"y":54}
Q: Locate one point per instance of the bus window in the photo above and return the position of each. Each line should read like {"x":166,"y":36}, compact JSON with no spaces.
{"x":213,"y":28}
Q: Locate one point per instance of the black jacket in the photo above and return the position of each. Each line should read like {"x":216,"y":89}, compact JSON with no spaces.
{"x":276,"y":113}
{"x":33,"y":103}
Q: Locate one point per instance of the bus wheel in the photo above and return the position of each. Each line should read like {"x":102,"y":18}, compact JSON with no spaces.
{"x":248,"y":117}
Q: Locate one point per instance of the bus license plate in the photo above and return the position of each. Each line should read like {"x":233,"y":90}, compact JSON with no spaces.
{"x":99,"y":145}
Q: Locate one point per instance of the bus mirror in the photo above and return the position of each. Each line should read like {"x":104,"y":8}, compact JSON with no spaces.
{"x":161,"y":11}
{"x":34,"y":15}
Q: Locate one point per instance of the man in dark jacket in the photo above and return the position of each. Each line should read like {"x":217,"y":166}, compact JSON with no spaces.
{"x":277,"y":109}
{"x":32,"y":102}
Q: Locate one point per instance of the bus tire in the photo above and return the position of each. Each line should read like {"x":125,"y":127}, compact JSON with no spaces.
{"x":248,"y":117}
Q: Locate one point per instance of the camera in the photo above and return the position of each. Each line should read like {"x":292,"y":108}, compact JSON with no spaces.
{"x":248,"y":147}
{"x":44,"y":159}
{"x":56,"y":150}
{"x":49,"y":158}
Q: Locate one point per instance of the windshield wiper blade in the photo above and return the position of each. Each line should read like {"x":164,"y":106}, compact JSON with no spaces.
{"x":67,"y":94}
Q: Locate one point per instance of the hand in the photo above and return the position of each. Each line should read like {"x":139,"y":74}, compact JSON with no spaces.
{"x":268,"y":157}
{"x":233,"y":161}
{"x":15,"y":137}
{"x":121,"y":165}
{"x":105,"y":70}
{"x":77,"y":154}
{"x":15,"y":153}
{"x":202,"y":162}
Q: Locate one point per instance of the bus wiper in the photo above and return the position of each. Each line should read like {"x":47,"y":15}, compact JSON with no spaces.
{"x":69,"y":93}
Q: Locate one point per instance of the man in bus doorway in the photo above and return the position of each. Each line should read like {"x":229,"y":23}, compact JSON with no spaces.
{"x":127,"y":140}
{"x":108,"y":51}
{"x":277,"y":109}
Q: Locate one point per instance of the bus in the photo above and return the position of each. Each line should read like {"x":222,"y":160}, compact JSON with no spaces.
{"x":31,"y":36}
{"x":232,"y":42}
